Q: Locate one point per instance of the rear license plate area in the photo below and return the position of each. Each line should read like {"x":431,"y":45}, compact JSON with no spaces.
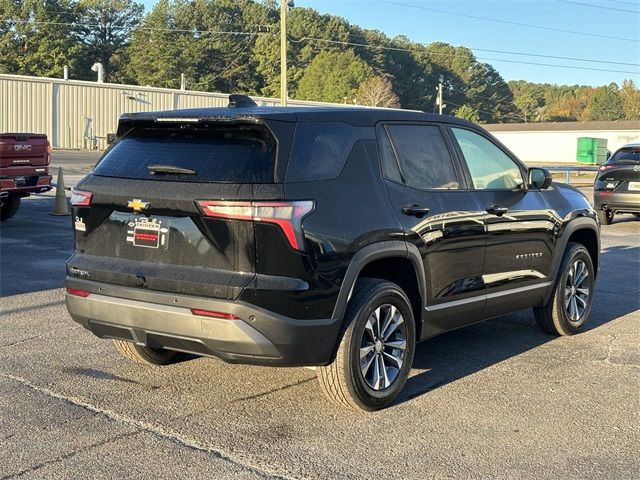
{"x":148,"y":232}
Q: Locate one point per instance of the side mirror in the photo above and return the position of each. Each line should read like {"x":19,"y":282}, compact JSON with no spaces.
{"x":539,"y":178}
{"x":111,"y":137}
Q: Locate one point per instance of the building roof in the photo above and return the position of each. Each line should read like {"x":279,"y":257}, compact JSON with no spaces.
{"x":563,"y":126}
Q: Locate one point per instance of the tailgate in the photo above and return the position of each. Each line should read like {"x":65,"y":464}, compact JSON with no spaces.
{"x":139,"y":222}
{"x":24,"y":149}
{"x":170,"y":246}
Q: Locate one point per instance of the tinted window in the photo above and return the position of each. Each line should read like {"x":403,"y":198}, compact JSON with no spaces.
{"x":216,"y":155}
{"x":490,"y":167}
{"x":320,"y":149}
{"x":389,"y":163}
{"x":423,"y":156}
{"x":624,"y":155}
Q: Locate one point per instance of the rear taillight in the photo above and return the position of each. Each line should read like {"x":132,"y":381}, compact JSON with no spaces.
{"x":604,"y":168}
{"x":214,"y":314}
{"x":78,"y":293}
{"x":80,"y":198}
{"x":287,"y":215}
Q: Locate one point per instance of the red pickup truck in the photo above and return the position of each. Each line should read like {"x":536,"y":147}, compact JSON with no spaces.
{"x":24,"y":169}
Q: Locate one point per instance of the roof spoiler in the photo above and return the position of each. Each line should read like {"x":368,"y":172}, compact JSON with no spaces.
{"x":241,"y":101}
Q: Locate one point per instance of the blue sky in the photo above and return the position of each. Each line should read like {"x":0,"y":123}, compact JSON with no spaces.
{"x":614,"y":18}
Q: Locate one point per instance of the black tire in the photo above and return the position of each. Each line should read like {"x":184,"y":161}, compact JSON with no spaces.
{"x":605,"y":216}
{"x":146,"y":355}
{"x":9,"y":207}
{"x":555,"y":316}
{"x":343,"y":381}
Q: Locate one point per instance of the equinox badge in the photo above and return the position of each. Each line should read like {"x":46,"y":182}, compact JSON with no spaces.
{"x":136,"y":204}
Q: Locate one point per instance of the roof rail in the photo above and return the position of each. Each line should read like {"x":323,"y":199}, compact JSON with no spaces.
{"x":241,"y":101}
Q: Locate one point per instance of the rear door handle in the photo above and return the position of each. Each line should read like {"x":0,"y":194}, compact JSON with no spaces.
{"x":497,"y":210}
{"x":415,"y":210}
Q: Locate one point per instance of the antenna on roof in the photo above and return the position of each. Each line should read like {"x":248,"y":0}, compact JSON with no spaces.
{"x":241,"y":101}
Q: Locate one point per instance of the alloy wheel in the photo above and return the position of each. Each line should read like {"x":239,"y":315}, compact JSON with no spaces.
{"x":576,"y":291}
{"x":383,"y":347}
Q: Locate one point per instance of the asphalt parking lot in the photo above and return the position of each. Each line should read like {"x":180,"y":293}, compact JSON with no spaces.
{"x":496,"y":400}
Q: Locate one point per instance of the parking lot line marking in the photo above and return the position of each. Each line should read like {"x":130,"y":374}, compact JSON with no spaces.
{"x":157,"y":430}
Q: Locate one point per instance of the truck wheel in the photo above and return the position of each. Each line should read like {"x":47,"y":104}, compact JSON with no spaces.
{"x":9,"y":207}
{"x":376,"y":348}
{"x":605,"y":216}
{"x":146,"y":355}
{"x":568,"y":308}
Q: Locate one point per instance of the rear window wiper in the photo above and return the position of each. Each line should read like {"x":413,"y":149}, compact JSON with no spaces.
{"x":169,"y":169}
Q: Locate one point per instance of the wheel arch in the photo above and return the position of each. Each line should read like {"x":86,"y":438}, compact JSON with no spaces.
{"x":389,"y":260}
{"x":582,"y":230}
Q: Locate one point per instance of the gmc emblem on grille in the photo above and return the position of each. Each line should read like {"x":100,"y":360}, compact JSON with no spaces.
{"x":22,"y":148}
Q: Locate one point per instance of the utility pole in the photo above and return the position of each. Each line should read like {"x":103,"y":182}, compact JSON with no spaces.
{"x":439,"y":99}
{"x":284,"y":5}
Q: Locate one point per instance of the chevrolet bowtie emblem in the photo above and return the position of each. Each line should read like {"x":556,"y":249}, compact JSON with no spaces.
{"x":136,"y":204}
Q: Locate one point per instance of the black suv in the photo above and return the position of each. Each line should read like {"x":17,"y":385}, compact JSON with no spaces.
{"x":617,"y":184}
{"x":327,"y":237}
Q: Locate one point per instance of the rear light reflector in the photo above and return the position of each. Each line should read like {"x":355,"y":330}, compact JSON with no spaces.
{"x":213,"y":314}
{"x":80,"y":198}
{"x":287,"y":215}
{"x":606,"y":194}
{"x":604,"y":168}
{"x":78,"y":293}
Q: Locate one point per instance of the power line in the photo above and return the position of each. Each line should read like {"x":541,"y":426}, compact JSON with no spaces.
{"x":355,"y":44}
{"x":229,"y":67}
{"x":398,"y":49}
{"x":528,"y":54}
{"x":82,"y":14}
{"x":501,"y":115}
{"x":598,"y":6}
{"x":625,"y":3}
{"x":177,"y":30}
{"x":234,"y":32}
{"x":590,"y":60}
{"x":507,"y":22}
{"x":504,"y":100}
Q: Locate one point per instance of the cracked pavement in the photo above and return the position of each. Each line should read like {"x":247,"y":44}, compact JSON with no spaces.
{"x":495,"y":400}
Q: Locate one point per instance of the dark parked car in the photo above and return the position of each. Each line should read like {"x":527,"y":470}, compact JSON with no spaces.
{"x":328,"y":237}
{"x":617,"y":184}
{"x":24,"y":169}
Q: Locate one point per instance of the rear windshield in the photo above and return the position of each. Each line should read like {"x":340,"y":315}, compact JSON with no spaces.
{"x":626,"y":155}
{"x":216,"y":154}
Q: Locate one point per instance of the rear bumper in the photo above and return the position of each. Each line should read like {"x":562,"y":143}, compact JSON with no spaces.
{"x":162,"y":320}
{"x":621,"y":201}
{"x":9,"y":186}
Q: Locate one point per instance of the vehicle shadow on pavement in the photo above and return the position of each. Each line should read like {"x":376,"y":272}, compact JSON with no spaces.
{"x":34,"y":247}
{"x":454,"y":355}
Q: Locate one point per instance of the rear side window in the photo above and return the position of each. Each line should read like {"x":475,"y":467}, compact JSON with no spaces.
{"x":320,"y":149}
{"x":225,"y":155}
{"x":423,"y":157}
{"x":389,"y":163}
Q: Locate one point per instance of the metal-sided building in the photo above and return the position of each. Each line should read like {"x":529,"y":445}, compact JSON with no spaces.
{"x":80,"y":114}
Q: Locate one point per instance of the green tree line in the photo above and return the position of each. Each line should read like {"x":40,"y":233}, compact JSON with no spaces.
{"x":233,"y":46}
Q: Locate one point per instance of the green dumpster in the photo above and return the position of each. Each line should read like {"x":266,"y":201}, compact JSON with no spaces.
{"x":592,"y":150}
